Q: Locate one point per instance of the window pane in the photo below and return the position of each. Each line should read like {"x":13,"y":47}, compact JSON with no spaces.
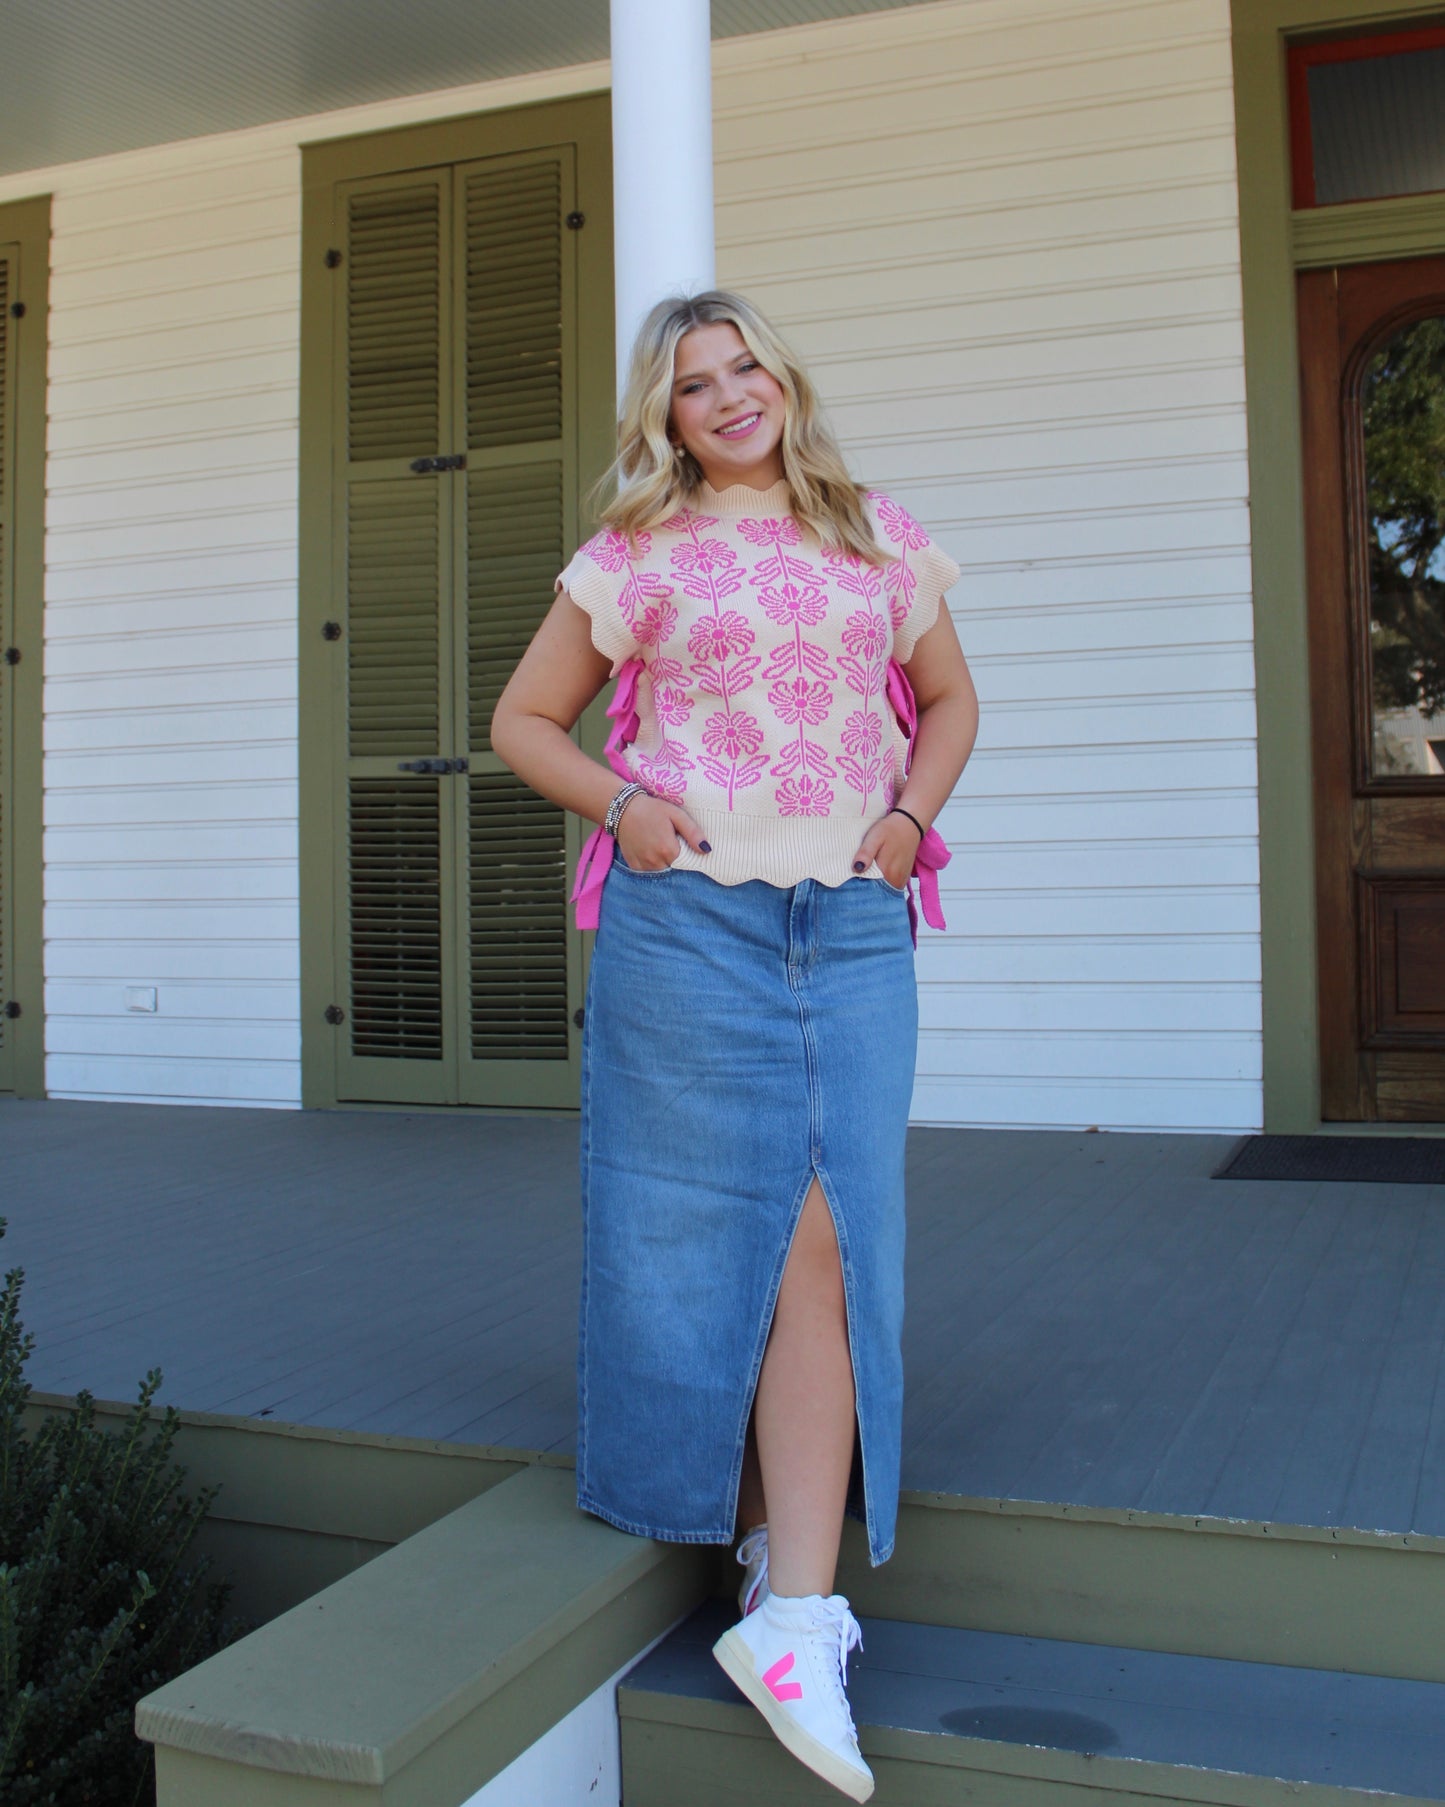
{"x":1377,"y":126}
{"x":1402,"y":406}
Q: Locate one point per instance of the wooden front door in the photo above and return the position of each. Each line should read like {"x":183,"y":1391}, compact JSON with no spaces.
{"x":1372,"y":350}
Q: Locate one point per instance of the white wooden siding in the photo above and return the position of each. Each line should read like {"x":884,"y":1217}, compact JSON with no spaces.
{"x":1003,"y":232}
{"x":171,"y":628}
{"x":170,"y":658}
{"x":170,"y":696}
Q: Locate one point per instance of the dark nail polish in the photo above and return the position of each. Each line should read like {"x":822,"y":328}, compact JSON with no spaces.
{"x":858,"y":866}
{"x":705,"y":847}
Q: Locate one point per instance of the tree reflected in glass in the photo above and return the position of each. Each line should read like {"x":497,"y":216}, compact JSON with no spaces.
{"x":1403,"y":412}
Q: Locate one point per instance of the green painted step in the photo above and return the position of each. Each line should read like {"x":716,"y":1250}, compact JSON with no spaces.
{"x":994,"y":1720}
{"x":1318,"y":1596}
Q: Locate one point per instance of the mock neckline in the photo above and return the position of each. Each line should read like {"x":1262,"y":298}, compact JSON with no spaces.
{"x":740,"y":499}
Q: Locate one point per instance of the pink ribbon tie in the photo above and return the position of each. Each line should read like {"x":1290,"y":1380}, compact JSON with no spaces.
{"x":905,"y":705}
{"x":622,"y":711}
{"x":593,"y":865}
{"x":932,"y":855}
{"x":595,"y":860}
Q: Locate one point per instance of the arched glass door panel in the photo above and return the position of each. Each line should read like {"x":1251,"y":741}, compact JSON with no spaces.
{"x":1402,"y":421}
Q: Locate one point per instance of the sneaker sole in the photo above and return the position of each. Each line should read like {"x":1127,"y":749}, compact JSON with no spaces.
{"x":736,"y":1661}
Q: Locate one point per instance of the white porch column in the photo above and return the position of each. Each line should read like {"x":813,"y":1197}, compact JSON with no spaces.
{"x":662,"y":156}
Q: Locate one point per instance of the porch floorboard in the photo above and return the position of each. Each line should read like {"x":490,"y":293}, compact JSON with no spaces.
{"x":1091,"y":1318}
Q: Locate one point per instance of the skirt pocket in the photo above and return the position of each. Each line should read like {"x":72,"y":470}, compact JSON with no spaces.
{"x":619,"y":861}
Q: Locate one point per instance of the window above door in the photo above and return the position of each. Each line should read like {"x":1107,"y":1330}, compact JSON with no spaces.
{"x":1367,"y":117}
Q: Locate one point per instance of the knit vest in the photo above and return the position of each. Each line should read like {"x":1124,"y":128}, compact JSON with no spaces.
{"x":761,"y":697}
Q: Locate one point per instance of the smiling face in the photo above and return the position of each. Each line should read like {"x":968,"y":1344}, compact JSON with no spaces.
{"x":726,"y":409}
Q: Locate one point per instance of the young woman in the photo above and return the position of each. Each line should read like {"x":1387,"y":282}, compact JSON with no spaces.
{"x":751,"y":1015}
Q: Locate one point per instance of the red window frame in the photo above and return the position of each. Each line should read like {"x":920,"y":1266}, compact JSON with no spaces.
{"x":1304,"y":57}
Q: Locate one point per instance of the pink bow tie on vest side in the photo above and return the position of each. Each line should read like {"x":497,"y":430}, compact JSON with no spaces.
{"x":595,"y":860}
{"x":932,"y":854}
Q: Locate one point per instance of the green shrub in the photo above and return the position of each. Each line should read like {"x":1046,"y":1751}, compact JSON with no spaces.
{"x":98,"y":1604}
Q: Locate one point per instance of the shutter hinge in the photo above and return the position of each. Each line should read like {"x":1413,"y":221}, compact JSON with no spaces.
{"x":331,"y":630}
{"x":333,"y":259}
{"x":12,"y":1010}
{"x":578,"y":1016}
{"x":576,"y":221}
{"x":449,"y":461}
{"x":335,"y":1015}
{"x":12,"y":655}
{"x":17,"y":310}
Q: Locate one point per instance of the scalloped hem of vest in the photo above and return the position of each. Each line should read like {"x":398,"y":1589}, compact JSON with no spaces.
{"x":780,"y":850}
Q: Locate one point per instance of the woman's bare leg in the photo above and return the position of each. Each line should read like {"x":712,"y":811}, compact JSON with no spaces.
{"x":805,"y":1414}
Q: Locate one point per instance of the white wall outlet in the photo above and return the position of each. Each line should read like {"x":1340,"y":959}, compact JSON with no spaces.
{"x":142,"y":998}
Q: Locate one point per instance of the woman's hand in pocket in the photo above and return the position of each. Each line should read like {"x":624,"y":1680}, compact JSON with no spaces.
{"x":893,"y":842}
{"x":650,"y":830}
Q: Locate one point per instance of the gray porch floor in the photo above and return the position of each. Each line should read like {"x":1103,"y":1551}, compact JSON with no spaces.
{"x":1090,"y":1318}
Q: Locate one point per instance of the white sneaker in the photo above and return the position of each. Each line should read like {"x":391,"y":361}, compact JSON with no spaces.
{"x":753,"y":1555}
{"x":790,"y":1658}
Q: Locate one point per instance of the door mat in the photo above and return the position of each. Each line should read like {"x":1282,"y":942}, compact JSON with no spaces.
{"x":1394,"y":1160}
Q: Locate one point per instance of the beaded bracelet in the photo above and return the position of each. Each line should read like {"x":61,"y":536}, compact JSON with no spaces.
{"x":619,"y":803}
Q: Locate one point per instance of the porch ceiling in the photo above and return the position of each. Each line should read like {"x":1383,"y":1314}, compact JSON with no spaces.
{"x":85,"y":78}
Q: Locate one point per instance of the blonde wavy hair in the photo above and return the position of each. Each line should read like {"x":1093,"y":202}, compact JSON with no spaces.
{"x":651,"y":479}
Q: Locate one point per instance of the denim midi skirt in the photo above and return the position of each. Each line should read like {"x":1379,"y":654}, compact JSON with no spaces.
{"x":737,"y":1040}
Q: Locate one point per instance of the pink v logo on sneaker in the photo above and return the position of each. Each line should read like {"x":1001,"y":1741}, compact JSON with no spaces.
{"x":776,"y":1686}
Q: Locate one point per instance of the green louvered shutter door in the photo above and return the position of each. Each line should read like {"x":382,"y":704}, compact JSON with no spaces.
{"x":7,"y":638}
{"x":516,"y":393}
{"x":460,"y":971}
{"x":397,"y":937}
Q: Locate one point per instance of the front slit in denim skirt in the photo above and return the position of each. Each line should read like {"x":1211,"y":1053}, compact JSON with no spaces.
{"x":737,"y":1040}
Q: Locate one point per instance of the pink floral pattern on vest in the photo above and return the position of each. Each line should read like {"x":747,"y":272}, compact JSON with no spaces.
{"x":763,"y":661}
{"x":767,"y":658}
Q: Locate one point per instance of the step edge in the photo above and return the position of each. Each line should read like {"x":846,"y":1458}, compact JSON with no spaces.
{"x":1005,"y":1507}
{"x":1026,"y":1762}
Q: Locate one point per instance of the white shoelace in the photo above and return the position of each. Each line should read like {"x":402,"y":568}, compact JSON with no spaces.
{"x":838,"y":1621}
{"x":753,"y":1545}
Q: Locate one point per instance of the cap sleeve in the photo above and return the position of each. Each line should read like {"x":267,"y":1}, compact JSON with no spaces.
{"x":598,"y":580}
{"x":916,"y":578}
